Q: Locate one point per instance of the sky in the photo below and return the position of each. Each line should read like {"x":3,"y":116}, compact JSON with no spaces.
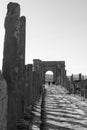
{"x":56,"y":30}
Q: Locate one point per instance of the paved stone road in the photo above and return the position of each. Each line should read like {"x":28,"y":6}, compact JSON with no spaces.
{"x":61,"y":111}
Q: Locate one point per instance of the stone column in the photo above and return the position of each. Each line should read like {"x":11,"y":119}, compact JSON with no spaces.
{"x":28,"y":86}
{"x":20,"y":66}
{"x":58,"y":76}
{"x":9,"y":62}
{"x":40,"y":80}
{"x":13,"y":63}
{"x":34,"y":86}
{"x":63,"y":76}
{"x":30,"y":98}
{"x":65,"y":80}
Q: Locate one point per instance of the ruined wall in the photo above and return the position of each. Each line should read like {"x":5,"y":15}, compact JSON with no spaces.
{"x":3,"y":103}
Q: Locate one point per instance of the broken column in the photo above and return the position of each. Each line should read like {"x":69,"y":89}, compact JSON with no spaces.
{"x":13,"y":63}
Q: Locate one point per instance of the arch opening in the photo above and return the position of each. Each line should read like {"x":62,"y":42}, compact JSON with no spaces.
{"x":49,"y":77}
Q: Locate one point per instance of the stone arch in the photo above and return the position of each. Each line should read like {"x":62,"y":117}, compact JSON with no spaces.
{"x":57,"y":67}
{"x":45,"y":69}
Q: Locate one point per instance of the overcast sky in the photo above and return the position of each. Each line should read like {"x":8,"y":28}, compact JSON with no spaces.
{"x":56,"y":30}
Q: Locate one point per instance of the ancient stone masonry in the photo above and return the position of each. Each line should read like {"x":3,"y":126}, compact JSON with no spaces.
{"x":13,"y":63}
{"x":57,"y":67}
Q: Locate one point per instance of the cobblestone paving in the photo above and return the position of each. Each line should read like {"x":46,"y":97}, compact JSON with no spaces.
{"x":61,"y":111}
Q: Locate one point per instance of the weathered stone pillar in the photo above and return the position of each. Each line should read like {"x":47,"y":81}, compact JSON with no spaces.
{"x":28,"y":86}
{"x":65,"y":79}
{"x":13,"y":63}
{"x":40,"y":80}
{"x":38,"y":85}
{"x":30,"y":98}
{"x":61,"y":76}
{"x":20,"y":66}
{"x":34,"y":86}
{"x":9,"y":62}
{"x":58,"y":76}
